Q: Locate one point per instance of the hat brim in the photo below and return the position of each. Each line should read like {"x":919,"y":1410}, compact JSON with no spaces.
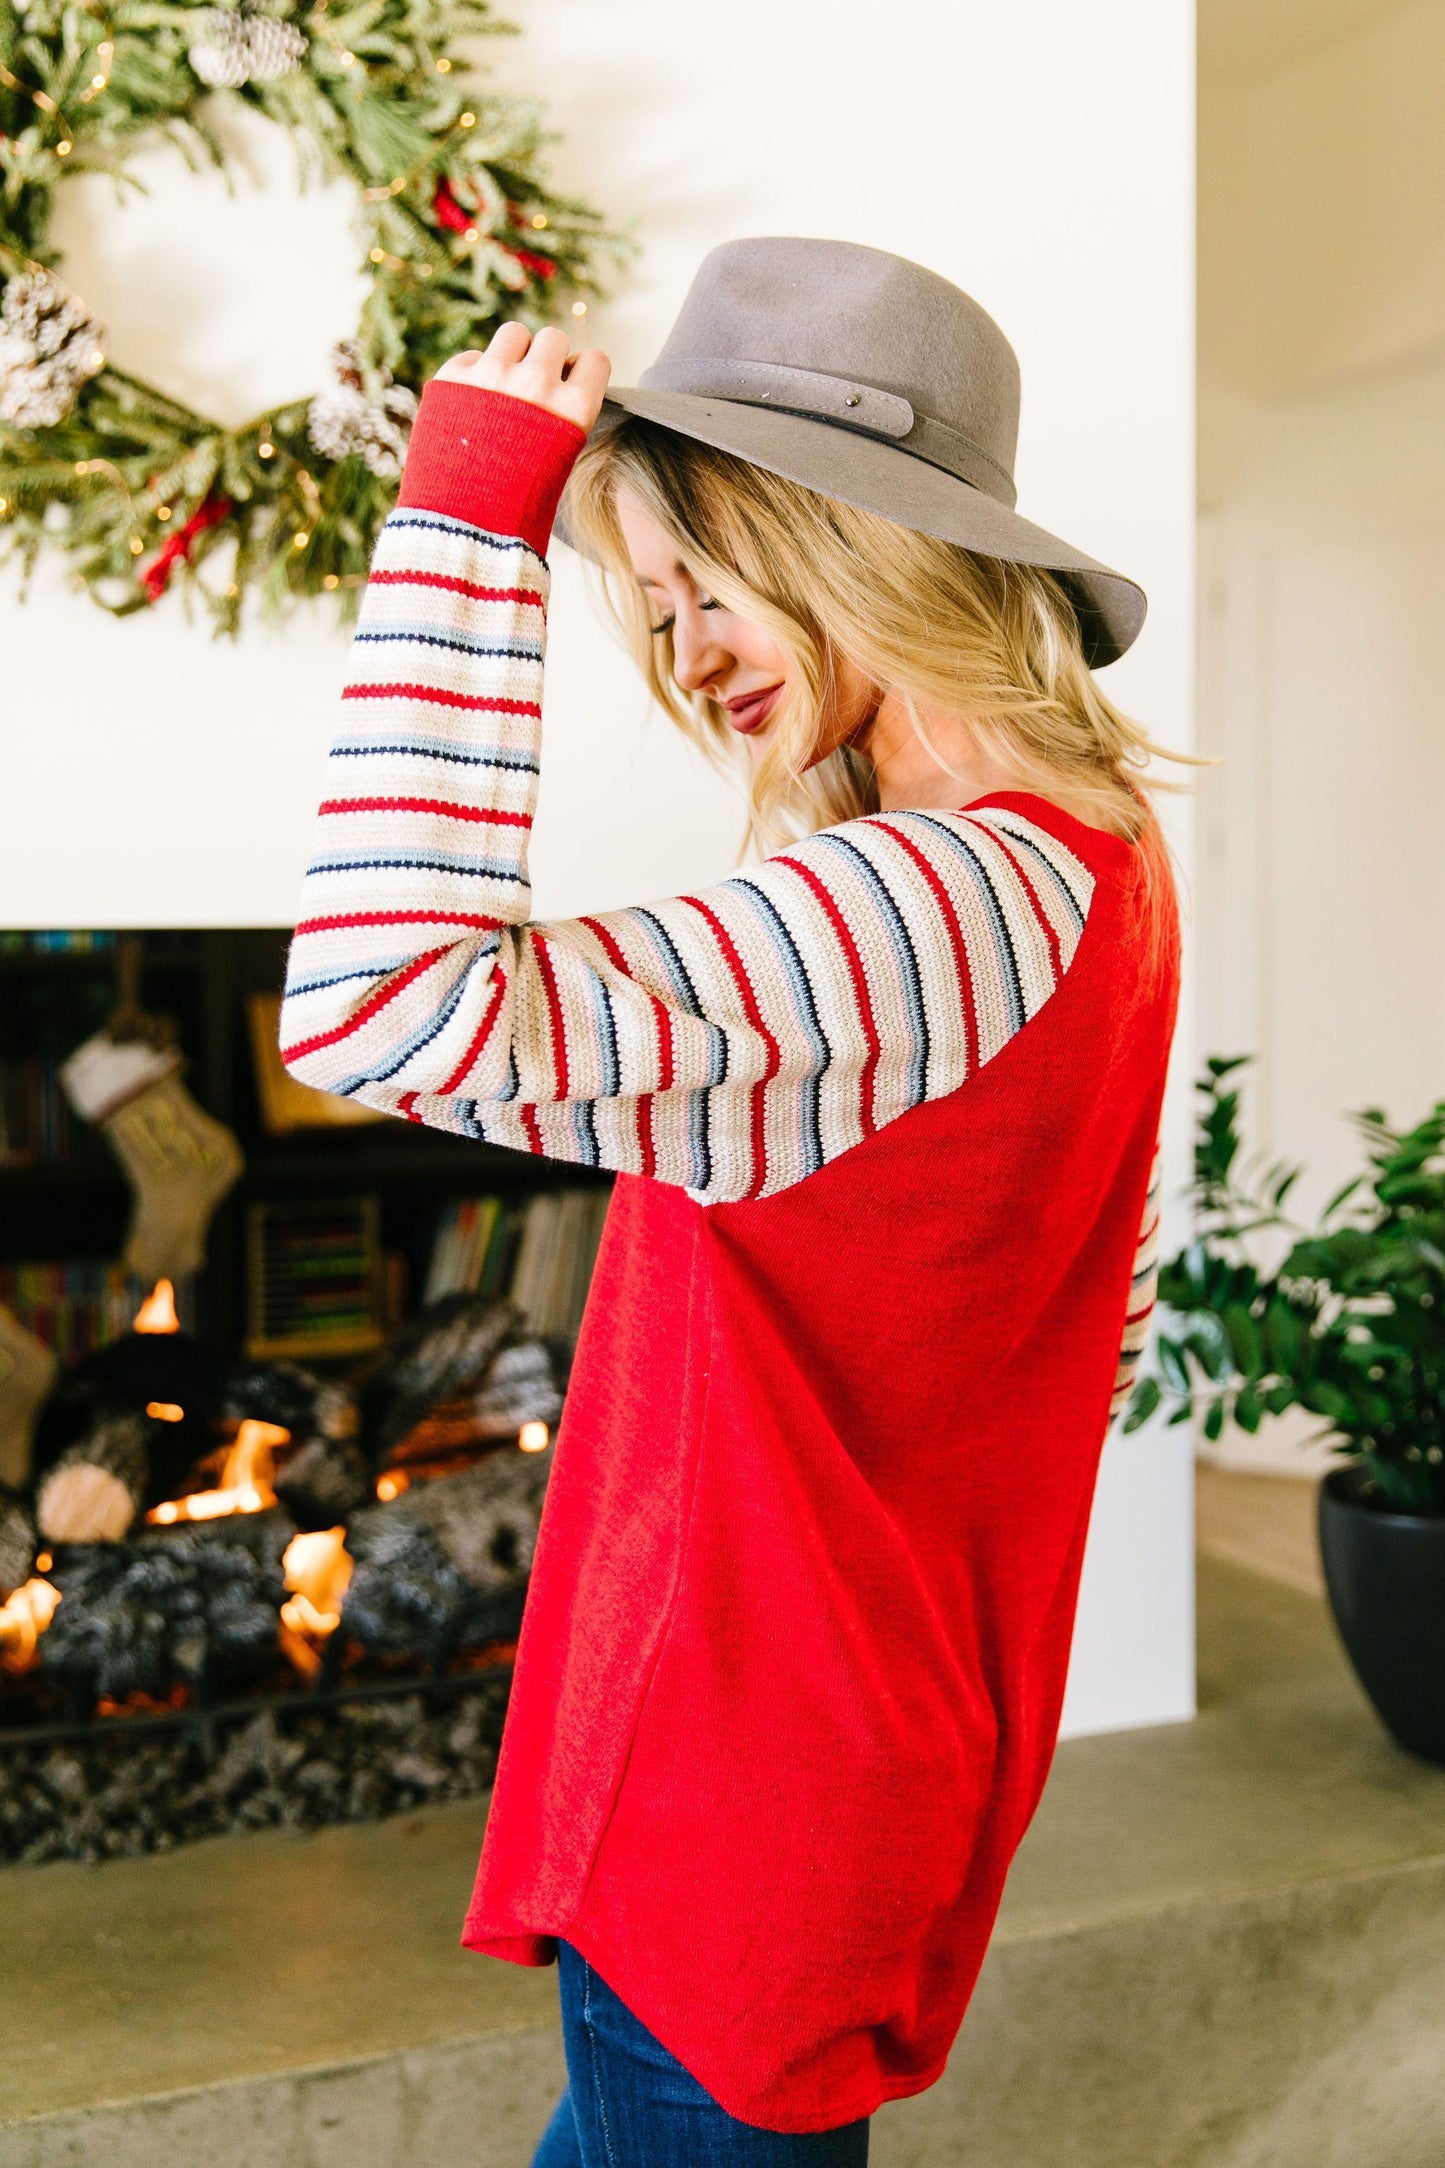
{"x":877,"y":476}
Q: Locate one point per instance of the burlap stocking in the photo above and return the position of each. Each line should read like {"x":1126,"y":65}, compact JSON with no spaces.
{"x":27,"y":1372}
{"x":180,"y":1160}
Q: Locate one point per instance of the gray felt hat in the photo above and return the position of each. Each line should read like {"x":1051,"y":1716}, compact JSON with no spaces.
{"x":866,"y":377}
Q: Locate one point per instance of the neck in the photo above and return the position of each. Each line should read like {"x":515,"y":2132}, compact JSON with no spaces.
{"x":907,"y":772}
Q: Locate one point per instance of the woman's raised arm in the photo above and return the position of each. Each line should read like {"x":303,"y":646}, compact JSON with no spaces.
{"x":731,"y":1041}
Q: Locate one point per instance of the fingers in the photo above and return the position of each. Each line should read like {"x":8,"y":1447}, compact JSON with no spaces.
{"x":538,"y":366}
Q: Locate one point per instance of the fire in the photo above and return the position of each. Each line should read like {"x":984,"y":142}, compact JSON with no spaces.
{"x":158,"y":1312}
{"x":318,"y":1568}
{"x":392,"y":1484}
{"x":533,"y":1437}
{"x":245,"y":1485}
{"x":23,"y":1619}
{"x":165,"y":1411}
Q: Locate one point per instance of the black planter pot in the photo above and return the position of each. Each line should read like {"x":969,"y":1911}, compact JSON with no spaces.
{"x":1385,"y":1573}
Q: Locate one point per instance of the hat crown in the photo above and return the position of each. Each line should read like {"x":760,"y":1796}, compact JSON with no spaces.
{"x":856,"y":315}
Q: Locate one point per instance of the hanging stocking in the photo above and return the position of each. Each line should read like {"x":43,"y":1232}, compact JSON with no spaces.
{"x":180,"y":1161}
{"x":27,"y":1372}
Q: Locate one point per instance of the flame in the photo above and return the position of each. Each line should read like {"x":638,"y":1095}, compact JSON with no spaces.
{"x":392,"y":1484}
{"x":245,"y":1485}
{"x":533,"y":1437}
{"x":165,"y":1411}
{"x":23,"y":1619}
{"x":158,"y":1312}
{"x":318,"y":1568}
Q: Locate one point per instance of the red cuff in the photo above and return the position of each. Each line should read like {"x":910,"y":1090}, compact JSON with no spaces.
{"x":491,"y":459}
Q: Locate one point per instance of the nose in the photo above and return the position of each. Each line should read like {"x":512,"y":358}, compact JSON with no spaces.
{"x":698,"y":656}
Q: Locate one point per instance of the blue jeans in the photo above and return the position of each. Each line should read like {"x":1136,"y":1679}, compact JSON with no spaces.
{"x":629,"y":2104}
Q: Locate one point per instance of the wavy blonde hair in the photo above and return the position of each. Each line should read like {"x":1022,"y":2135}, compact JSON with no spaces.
{"x":999,"y":643}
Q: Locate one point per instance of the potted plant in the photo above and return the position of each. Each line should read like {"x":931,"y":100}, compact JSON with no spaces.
{"x":1349,"y":1323}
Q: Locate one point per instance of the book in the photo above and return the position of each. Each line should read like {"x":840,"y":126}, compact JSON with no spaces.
{"x":77,"y":1304}
{"x":459,"y":1249}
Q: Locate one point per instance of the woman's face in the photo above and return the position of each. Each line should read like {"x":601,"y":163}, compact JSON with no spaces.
{"x":727,"y":658}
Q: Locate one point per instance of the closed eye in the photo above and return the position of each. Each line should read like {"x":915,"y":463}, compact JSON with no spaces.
{"x":707,"y":603}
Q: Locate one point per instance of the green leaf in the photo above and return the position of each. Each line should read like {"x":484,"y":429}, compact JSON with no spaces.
{"x":1142,"y":1403}
{"x":1214,"y":1419}
{"x":1172,"y":1363}
{"x":1244,"y":1338}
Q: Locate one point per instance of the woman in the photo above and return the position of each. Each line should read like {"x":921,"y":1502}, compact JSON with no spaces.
{"x":883,"y":1109}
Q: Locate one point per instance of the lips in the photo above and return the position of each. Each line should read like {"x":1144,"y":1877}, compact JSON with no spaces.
{"x":749,"y":712}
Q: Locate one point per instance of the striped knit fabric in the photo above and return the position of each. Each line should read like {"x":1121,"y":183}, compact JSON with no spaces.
{"x":731,"y":1041}
{"x":1142,"y":1295}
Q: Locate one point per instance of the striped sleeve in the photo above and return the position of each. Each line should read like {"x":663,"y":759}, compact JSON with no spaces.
{"x":732,"y":1041}
{"x":1143,"y":1288}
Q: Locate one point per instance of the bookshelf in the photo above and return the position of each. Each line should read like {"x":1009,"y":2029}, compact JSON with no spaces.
{"x":381,"y":1193}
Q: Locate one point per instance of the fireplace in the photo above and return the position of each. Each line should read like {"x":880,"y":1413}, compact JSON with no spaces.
{"x":227,"y":1620}
{"x":265,"y":1561}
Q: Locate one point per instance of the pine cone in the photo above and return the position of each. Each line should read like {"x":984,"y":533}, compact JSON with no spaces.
{"x":49,"y":345}
{"x":342,"y":419}
{"x":235,"y":46}
{"x":275,"y":49}
{"x":221,"y":53}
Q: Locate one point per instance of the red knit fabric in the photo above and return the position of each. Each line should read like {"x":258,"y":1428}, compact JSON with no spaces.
{"x":515,"y":489}
{"x":795,"y":1645}
{"x":794,"y":1653}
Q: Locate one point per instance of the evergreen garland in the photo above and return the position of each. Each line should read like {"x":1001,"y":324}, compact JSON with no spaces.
{"x":458,"y":233}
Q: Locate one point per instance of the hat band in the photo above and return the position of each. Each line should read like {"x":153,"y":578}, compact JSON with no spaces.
{"x":841,"y":401}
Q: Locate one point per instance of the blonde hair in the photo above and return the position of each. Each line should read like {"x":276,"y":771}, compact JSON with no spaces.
{"x":999,"y":643}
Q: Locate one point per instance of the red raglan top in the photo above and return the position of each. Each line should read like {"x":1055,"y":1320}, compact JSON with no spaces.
{"x":884,"y":1114}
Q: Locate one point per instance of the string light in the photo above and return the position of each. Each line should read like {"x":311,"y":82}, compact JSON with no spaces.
{"x":64,"y":148}
{"x":331,"y":580}
{"x":300,"y":539}
{"x":136,"y":545}
{"x":444,"y":66}
{"x":540,"y":220}
{"x":232,"y":591}
{"x":376,"y":255}
{"x":163,"y":512}
{"x":4,"y":506}
{"x":266,"y":450}
{"x":466,"y":120}
{"x":348,"y":60}
{"x":579,"y":308}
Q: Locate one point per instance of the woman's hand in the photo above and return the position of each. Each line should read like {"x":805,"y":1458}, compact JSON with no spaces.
{"x":539,"y":368}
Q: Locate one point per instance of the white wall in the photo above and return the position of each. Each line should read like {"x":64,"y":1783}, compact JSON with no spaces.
{"x":1040,"y":155}
{"x":1322,"y":476}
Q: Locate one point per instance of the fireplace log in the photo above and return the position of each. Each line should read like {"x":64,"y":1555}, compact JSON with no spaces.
{"x":124,"y":1377}
{"x":142,"y":1618}
{"x":17,"y":1542}
{"x":445,"y":1351}
{"x":293,"y":1396}
{"x":405,"y":1597}
{"x":94,"y":1490}
{"x":520,"y":1387}
{"x":483,"y":1520}
{"x":323,"y":1482}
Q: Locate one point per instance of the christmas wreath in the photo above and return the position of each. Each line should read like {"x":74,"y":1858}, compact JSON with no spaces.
{"x":457,"y":229}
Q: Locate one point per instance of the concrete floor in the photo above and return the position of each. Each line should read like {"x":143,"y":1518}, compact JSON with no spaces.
{"x":1221,"y":1944}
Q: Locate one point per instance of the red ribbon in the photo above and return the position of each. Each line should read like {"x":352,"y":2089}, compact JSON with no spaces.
{"x":455,"y":216}
{"x":157,"y":576}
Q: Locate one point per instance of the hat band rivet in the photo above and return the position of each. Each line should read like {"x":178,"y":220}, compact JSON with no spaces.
{"x":852,"y":399}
